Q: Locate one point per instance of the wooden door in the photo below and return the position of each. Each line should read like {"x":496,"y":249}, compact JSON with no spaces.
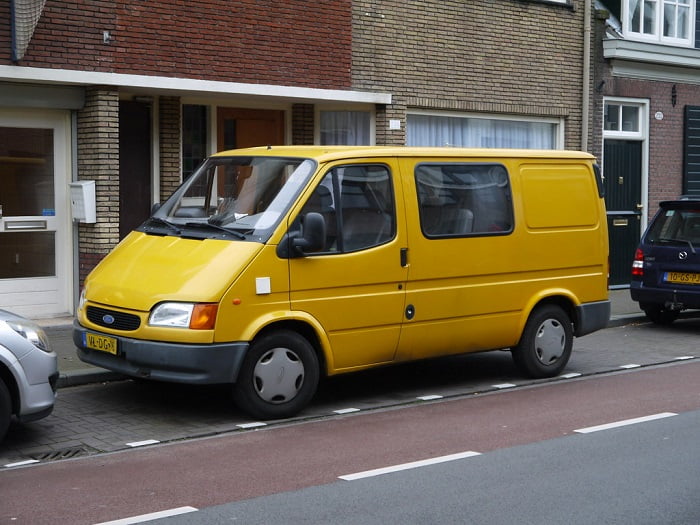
{"x":245,"y":128}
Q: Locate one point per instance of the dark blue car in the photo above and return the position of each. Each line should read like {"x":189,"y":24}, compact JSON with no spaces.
{"x":666,"y":267}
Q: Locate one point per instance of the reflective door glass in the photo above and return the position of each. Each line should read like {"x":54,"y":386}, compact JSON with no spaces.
{"x":26,"y":203}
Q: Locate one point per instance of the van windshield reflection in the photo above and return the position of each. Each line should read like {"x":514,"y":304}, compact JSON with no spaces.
{"x":233,"y":197}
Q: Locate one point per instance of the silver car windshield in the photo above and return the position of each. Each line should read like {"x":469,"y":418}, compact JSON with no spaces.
{"x":234,"y":197}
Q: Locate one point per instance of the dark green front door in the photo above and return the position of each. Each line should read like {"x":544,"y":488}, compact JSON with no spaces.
{"x":622,"y":169}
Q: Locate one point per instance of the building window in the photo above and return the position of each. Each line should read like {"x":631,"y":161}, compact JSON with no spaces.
{"x":194,"y":138}
{"x":348,"y":128}
{"x":664,"y":21}
{"x":622,"y":118}
{"x":458,"y":131}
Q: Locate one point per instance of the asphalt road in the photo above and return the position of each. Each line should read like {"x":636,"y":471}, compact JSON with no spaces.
{"x":109,"y":417}
{"x":542,"y":458}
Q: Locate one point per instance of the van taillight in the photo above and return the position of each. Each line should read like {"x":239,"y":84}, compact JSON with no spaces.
{"x":638,"y":263}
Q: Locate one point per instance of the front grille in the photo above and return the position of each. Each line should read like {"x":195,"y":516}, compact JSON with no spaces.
{"x":122,"y":321}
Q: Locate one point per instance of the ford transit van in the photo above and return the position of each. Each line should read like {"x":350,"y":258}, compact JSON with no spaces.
{"x":271,"y":267}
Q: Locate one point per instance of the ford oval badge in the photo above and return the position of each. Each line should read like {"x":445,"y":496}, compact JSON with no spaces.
{"x":108,"y":319}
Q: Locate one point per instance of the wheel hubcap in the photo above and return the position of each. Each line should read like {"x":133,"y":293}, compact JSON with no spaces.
{"x":278,"y":375}
{"x":550,"y":341}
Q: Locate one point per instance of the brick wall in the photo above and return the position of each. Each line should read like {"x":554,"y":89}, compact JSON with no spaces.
{"x":302,"y":124}
{"x":295,"y":42}
{"x":98,"y":160}
{"x":169,"y":141}
{"x":510,"y":57}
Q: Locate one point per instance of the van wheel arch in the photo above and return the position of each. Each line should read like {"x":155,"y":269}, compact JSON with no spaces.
{"x":280,"y":372}
{"x":546,"y":341}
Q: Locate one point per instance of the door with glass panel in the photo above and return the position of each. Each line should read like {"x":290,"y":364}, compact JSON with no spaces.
{"x":34,"y":239}
{"x":624,"y":161}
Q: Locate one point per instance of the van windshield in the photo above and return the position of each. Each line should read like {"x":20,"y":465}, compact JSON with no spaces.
{"x":233,"y":197}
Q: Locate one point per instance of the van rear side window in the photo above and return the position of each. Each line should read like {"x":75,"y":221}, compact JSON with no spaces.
{"x":462,"y":199}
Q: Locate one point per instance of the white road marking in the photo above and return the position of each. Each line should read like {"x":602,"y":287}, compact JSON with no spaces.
{"x":571,"y":375}
{"x":429,"y":398}
{"x":252,"y":425}
{"x":22,"y":463}
{"x":151,"y":516}
{"x":504,"y":385}
{"x":630,"y":366}
{"x":142,"y":443}
{"x":684,"y":357}
{"x":346,"y":410}
{"x":407,"y":466}
{"x":625,"y":422}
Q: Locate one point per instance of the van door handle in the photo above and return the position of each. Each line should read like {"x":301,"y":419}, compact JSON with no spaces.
{"x":404,"y":257}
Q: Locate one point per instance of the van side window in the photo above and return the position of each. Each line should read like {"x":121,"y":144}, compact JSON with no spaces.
{"x":461,"y":199}
{"x":357,"y":202}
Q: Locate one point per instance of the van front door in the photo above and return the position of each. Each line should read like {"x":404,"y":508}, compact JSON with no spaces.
{"x":34,"y":233}
{"x":355,"y":287}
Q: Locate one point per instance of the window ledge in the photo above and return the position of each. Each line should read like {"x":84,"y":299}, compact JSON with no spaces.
{"x":651,"y":53}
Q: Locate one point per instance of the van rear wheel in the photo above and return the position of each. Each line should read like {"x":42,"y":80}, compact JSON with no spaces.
{"x":545,"y":345}
{"x":278,"y":377}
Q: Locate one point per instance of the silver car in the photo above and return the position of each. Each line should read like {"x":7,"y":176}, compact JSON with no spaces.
{"x":28,"y":371}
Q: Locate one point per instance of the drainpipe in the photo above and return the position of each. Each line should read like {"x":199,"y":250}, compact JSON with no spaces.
{"x":585,"y":103}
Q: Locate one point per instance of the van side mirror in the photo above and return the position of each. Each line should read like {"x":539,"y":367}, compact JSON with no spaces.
{"x":312,"y":239}
{"x":314,"y":234}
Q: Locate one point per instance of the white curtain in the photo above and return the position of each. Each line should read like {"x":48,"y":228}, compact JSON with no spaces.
{"x":435,"y":130}
{"x":348,"y":128}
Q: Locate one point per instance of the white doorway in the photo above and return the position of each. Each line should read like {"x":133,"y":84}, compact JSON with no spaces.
{"x":35,"y":227}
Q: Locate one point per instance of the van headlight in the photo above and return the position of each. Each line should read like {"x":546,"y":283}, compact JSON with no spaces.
{"x":195,"y":316}
{"x":31,"y":332}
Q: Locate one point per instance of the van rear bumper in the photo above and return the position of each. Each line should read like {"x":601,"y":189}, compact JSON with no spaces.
{"x":163,"y":361}
{"x":591,"y":317}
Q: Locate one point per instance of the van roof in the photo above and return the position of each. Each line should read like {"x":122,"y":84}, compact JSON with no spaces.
{"x":329,"y":153}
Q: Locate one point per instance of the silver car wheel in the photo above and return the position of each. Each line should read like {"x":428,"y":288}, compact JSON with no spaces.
{"x":550,"y":341}
{"x":278,"y":375}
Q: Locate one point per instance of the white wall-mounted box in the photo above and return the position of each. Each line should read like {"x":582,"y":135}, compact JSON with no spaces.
{"x":83,"y":201}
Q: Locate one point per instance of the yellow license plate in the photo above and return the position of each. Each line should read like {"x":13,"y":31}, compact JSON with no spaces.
{"x":101,"y":343}
{"x":682,"y":277}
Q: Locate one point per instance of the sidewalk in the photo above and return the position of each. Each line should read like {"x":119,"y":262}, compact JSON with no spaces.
{"x":74,"y":372}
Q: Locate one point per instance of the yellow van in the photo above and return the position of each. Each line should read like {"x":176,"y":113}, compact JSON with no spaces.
{"x":271,"y":266}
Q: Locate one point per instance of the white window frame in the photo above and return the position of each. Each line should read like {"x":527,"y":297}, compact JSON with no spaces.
{"x":559,"y":123}
{"x":317,"y":120}
{"x":642,"y":135}
{"x":639,"y":133}
{"x":657,"y":35}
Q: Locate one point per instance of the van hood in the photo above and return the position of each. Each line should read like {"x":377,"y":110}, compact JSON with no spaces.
{"x":144,"y":270}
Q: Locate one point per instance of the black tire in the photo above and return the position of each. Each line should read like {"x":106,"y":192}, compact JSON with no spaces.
{"x":279,"y":376}
{"x":545,"y":345}
{"x":657,"y":314}
{"x":5,"y":409}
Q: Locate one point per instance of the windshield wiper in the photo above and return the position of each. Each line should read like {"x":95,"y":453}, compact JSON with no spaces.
{"x":215,"y":227}
{"x":679,"y":241}
{"x":169,"y":224}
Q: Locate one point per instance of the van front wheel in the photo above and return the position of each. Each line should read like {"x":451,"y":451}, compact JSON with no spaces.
{"x":278,"y":377}
{"x":545,"y":345}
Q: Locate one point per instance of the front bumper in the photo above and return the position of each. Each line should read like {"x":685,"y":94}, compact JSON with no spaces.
{"x":200,"y":364}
